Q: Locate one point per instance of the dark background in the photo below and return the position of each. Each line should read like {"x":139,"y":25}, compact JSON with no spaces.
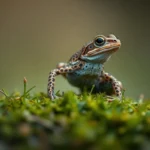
{"x":37,"y":34}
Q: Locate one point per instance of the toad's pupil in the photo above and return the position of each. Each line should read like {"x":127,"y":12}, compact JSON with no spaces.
{"x":99,"y":41}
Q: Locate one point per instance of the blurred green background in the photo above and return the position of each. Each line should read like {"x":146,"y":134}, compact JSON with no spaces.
{"x":35,"y":35}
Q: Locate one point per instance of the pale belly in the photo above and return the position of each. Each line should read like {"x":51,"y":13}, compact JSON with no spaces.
{"x":88,"y":77}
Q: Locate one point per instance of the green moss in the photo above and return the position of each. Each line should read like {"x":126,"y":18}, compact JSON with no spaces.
{"x":72,"y":122}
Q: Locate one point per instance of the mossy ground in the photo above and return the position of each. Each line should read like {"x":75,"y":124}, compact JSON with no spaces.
{"x":73,"y":122}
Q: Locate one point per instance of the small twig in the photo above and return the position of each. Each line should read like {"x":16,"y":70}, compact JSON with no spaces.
{"x":93,"y":86}
{"x":3,"y":93}
{"x":25,"y":85}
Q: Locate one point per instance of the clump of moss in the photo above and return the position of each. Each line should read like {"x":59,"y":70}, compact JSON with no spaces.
{"x":72,"y":122}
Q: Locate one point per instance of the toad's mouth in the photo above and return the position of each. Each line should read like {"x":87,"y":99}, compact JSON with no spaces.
{"x":112,"y":47}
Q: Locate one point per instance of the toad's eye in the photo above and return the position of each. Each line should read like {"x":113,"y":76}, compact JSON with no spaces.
{"x":99,"y":41}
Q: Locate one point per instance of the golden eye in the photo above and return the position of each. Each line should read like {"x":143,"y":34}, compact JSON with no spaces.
{"x":99,"y":41}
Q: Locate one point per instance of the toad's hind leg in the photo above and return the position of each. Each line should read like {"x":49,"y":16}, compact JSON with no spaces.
{"x":61,"y":65}
{"x":115,"y":84}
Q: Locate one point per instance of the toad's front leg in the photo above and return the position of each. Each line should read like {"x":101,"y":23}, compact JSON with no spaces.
{"x":51,"y":82}
{"x":60,"y":70}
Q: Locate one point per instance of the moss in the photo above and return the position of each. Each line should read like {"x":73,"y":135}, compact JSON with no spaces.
{"x":72,"y":122}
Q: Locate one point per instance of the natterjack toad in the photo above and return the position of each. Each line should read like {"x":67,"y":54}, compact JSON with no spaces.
{"x":85,"y":68}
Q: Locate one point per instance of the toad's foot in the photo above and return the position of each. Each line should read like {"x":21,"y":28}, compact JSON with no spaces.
{"x":111,"y":99}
